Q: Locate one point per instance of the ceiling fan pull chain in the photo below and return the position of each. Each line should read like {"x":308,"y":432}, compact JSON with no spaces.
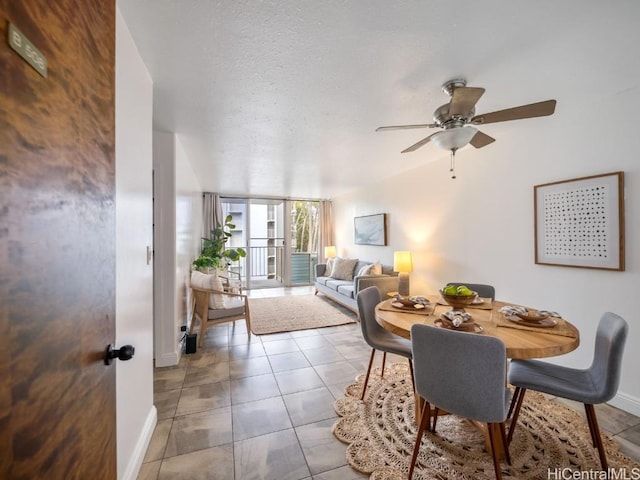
{"x":453,"y":163}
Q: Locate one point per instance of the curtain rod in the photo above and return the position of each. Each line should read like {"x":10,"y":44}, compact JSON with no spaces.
{"x":267,"y":197}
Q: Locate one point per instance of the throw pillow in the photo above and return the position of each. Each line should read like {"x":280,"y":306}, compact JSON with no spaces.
{"x":343,"y":268}
{"x":329,"y":267}
{"x":366,"y":270}
{"x":209,"y":282}
{"x":376,"y":269}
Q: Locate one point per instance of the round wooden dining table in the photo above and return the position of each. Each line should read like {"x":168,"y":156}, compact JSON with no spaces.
{"x":520,"y":342}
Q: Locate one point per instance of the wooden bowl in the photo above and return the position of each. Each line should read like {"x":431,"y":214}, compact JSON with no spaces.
{"x":459,"y":301}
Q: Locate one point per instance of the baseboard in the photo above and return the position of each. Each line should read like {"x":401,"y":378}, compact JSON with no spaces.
{"x":627,"y":403}
{"x":137,"y":457}
{"x":169,"y":359}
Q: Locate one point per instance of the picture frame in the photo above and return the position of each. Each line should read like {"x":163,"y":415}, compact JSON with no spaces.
{"x":370,"y":229}
{"x":580,"y":222}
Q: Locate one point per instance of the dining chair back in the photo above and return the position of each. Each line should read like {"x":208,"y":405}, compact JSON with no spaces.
{"x":483,"y":290}
{"x":376,"y":336}
{"x":596,"y":384}
{"x":463,"y":374}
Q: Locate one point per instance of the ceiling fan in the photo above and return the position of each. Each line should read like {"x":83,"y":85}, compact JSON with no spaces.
{"x":456,"y":117}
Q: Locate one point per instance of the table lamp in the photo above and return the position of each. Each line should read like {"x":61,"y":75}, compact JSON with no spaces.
{"x":330,"y":251}
{"x":403,"y":264}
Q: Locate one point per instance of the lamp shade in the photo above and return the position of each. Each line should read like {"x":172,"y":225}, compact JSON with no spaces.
{"x":454,"y":138}
{"x":330,"y":251}
{"x":402,"y":262}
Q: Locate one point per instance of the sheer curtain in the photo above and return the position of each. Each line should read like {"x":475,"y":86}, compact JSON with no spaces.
{"x":326,"y":227}
{"x":211,"y":213}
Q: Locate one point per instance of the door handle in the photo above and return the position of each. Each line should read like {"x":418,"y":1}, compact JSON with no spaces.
{"x":123,"y":353}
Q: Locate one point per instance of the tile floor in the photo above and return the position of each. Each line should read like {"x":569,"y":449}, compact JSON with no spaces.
{"x":263,"y":409}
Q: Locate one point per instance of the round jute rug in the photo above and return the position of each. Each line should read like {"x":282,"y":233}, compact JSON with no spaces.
{"x":551,"y":440}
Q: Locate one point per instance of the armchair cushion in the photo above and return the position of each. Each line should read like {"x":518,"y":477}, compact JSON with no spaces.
{"x":209,"y":282}
{"x":215,"y":314}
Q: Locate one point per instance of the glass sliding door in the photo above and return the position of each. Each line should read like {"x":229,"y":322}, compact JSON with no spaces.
{"x":237,"y":208}
{"x":303,"y":240}
{"x":280,"y":237}
{"x":266,"y":243}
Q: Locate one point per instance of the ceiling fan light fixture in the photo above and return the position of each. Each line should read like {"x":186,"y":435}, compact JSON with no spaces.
{"x":454,"y":138}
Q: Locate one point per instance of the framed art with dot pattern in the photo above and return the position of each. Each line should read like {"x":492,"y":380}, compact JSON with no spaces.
{"x":580,"y":222}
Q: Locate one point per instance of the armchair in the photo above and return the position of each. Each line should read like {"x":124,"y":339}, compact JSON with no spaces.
{"x":212,"y":305}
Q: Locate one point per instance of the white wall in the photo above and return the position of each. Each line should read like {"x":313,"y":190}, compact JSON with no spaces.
{"x":178,"y":229}
{"x":165,"y":331}
{"x":188,"y":230}
{"x":479,"y":227}
{"x":136,"y":414}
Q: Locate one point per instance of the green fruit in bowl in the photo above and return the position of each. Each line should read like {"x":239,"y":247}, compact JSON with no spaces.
{"x":464,"y":291}
{"x":450,"y":290}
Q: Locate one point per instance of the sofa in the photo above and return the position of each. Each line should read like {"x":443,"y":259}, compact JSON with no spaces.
{"x":342,"y":286}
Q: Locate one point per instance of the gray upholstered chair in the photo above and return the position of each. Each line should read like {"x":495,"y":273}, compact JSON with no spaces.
{"x":596,"y":384}
{"x":463,"y":374}
{"x":484,"y":291}
{"x":376,"y":336}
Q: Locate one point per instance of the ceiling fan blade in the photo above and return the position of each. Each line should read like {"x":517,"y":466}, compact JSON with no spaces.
{"x":480,"y":140}
{"x":540,"y":109}
{"x":464,"y":99}
{"x":416,"y":146}
{"x":404,"y":127}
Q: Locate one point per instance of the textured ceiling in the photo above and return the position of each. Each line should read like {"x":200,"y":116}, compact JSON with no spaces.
{"x":282,"y":98}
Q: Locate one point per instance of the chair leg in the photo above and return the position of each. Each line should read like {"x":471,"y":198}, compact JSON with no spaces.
{"x":424,"y":421}
{"x":366,"y":378}
{"x":193,"y":321}
{"x":436,"y":411}
{"x":384,"y":360}
{"x":505,"y":444}
{"x":514,"y":399}
{"x":591,"y":430}
{"x":413,"y":382}
{"x":516,"y":414}
{"x":247,"y":316}
{"x":203,"y":330}
{"x":595,"y":434}
{"x":494,"y":450}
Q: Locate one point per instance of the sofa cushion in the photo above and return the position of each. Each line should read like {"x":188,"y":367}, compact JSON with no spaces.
{"x":364,"y":270}
{"x":334,"y":284}
{"x":322,"y":280}
{"x":343,"y":268}
{"x":329,"y":266}
{"x":209,"y":282}
{"x":376,"y":269}
{"x":346,"y":290}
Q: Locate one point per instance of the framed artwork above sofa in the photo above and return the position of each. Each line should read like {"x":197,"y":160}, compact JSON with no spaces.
{"x":370,"y":229}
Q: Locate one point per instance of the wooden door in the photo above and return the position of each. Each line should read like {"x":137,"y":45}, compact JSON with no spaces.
{"x":57,"y":235}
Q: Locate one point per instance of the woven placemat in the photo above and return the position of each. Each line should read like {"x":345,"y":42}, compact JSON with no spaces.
{"x":562,"y":328}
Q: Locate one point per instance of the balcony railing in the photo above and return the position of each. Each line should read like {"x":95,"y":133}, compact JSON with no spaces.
{"x":267,"y":264}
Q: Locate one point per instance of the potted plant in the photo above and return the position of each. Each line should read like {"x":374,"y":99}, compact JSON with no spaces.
{"x":214,"y":254}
